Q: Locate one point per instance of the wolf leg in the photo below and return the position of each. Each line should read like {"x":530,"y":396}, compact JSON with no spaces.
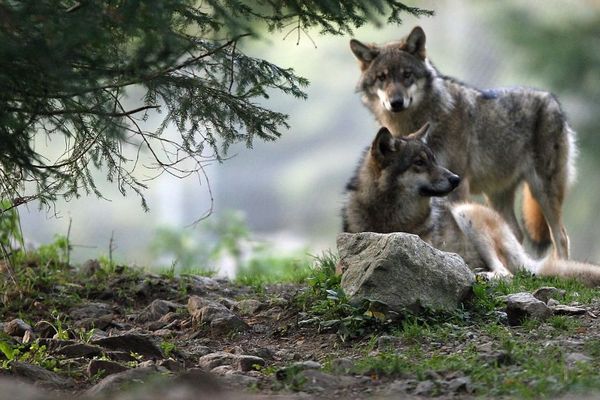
{"x":553,"y":154}
{"x":504,"y":203}
{"x":549,"y":197}
{"x":490,"y":236}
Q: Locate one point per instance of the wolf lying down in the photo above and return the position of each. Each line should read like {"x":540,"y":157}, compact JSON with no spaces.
{"x":400,"y":187}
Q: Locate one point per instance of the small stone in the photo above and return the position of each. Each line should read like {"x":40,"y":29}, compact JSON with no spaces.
{"x":260,"y":328}
{"x":45,"y":329}
{"x":263,"y":352}
{"x":310,"y":364}
{"x":79,"y":350}
{"x":104,"y":368}
{"x":102,"y":322}
{"x":309,"y":321}
{"x":485,"y":347}
{"x":342,"y":365}
{"x":147,"y":363}
{"x":213,"y":311}
{"x":195,"y":303}
{"x":497,"y":358}
{"x":90,"y":267}
{"x":226,"y":325}
{"x":248,"y":306}
{"x":91,"y":310}
{"x":210,"y":361}
{"x":237,"y":379}
{"x":28,"y":337}
{"x":520,"y":306}
{"x":331,"y":325}
{"x":271,"y":313}
{"x":40,"y":375}
{"x":120,"y":356}
{"x":548,"y":292}
{"x":561,"y":309}
{"x":573,"y":358}
{"x":385,"y":342}
{"x":425,"y":388}
{"x":222,"y":370}
{"x":227,"y":302}
{"x":246,"y":363}
{"x":163,"y":333}
{"x":198,"y":350}
{"x":171,"y":365}
{"x":116,"y":381}
{"x":278,"y":301}
{"x":157,"y":309}
{"x":403,"y":386}
{"x":132,"y":343}
{"x":17,"y":327}
{"x":461,"y":384}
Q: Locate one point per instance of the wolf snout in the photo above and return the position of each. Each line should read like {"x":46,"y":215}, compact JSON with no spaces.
{"x":454,"y":181}
{"x":397,"y":104}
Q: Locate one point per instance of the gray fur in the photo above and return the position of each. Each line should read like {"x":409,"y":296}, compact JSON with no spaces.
{"x":389,"y":197}
{"x":494,"y":139}
{"x":391,"y":193}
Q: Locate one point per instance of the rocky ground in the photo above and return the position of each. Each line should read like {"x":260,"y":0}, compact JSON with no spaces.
{"x":98,"y":332}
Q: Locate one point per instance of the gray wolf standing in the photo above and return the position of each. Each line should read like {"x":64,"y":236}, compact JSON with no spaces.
{"x":399,"y":186}
{"x":495,"y":139}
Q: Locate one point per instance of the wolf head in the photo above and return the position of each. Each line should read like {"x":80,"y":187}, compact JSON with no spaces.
{"x":408,"y":165}
{"x":395,"y":73}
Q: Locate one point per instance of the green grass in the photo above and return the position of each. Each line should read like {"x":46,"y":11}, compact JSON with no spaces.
{"x":268,"y":268}
{"x":564,"y":323}
{"x":535,"y":367}
{"x":524,"y":282}
{"x":535,"y":371}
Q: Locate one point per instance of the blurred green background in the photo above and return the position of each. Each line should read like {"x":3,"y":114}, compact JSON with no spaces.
{"x":286,"y":196}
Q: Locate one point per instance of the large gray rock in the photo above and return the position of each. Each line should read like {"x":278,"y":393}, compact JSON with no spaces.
{"x":402,"y":271}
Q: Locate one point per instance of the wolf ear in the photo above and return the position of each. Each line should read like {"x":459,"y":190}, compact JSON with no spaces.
{"x":422,"y":134}
{"x":415,"y":42}
{"x":364,"y":53}
{"x":384,"y":145}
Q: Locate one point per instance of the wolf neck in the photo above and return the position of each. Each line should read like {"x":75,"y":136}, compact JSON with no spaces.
{"x":415,"y":215}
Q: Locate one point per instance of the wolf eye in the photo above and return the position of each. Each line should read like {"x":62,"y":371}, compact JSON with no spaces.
{"x":407,"y":74}
{"x":381,"y":76}
{"x":419,"y":162}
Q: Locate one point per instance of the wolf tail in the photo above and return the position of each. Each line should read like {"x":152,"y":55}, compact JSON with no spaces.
{"x":588,"y":274}
{"x":535,"y":222}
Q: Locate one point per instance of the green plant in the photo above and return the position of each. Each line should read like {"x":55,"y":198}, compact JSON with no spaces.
{"x":265,"y":267}
{"x":564,"y":323}
{"x":32,"y":353}
{"x":167,"y":348}
{"x":291,"y":378}
{"x":61,"y":332}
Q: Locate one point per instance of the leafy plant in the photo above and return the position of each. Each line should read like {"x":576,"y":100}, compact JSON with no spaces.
{"x":167,"y":348}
